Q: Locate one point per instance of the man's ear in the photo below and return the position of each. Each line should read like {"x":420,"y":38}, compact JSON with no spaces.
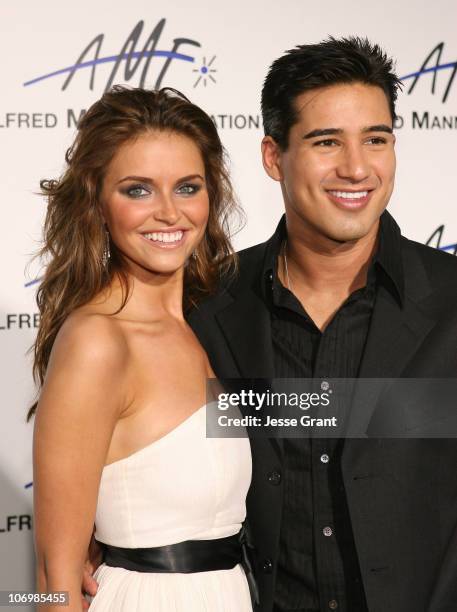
{"x":271,"y":158}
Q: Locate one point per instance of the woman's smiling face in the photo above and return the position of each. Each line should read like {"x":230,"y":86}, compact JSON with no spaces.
{"x":155,"y":201}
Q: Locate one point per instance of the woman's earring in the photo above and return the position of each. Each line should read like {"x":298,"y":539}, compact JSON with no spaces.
{"x":106,"y":251}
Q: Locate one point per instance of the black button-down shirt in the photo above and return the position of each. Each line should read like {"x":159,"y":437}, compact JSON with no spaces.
{"x":318,"y":563}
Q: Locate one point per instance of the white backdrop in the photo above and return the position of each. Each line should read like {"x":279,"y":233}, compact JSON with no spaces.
{"x":221,"y":67}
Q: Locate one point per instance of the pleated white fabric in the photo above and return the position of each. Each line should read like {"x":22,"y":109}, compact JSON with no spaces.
{"x":184,"y":486}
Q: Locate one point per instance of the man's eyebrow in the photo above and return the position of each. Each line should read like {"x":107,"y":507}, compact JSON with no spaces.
{"x":381,"y":127}
{"x":324,"y":132}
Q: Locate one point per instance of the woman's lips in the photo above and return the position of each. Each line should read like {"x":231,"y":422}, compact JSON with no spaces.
{"x":165,"y":240}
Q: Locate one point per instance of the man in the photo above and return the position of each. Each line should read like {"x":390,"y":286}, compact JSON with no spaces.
{"x":356,"y":524}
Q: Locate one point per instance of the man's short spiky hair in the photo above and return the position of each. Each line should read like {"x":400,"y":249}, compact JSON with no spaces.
{"x":330,"y":62}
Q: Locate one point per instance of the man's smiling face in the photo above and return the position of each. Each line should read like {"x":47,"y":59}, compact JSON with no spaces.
{"x":338,"y":171}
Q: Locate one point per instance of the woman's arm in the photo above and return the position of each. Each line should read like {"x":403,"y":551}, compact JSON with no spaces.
{"x":79,"y":405}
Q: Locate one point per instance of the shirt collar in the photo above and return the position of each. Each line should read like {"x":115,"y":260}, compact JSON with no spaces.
{"x":273,"y":247}
{"x":388,"y":257}
{"x":387,"y":260}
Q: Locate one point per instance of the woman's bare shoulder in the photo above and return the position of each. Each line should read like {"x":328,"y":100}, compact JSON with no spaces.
{"x":86,"y":374}
{"x":92,"y":337}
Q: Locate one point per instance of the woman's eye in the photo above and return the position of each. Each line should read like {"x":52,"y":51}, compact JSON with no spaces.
{"x":188,"y":189}
{"x":137,"y":191}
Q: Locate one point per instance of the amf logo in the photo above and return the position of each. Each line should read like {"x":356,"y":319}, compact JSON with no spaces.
{"x":439,"y":79}
{"x":136,"y":62}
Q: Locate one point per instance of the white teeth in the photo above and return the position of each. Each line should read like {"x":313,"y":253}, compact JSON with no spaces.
{"x":164,"y":236}
{"x":350,"y":195}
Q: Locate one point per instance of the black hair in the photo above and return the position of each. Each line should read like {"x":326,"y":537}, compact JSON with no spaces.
{"x":330,"y":62}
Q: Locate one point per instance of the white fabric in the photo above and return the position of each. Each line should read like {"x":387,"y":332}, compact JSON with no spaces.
{"x":184,"y":486}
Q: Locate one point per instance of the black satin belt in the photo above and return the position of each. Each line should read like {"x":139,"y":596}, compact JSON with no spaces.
{"x":182,"y":558}
{"x":188,"y":557}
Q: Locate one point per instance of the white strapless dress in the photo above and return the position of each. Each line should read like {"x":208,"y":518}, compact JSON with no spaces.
{"x":184,"y":486}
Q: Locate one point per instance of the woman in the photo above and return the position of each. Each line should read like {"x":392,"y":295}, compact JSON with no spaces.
{"x":135,"y":229}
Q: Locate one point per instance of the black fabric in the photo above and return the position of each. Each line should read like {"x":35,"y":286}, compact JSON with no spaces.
{"x":189,"y":557}
{"x":401,"y":494}
{"x":181,"y":558}
{"x":312,"y":568}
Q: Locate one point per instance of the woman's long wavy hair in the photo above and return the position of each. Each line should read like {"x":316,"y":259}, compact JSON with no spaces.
{"x":74,"y":237}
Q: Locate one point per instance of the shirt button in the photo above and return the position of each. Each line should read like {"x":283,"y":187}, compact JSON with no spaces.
{"x":267,"y":566}
{"x":333,"y":604}
{"x":325,"y":458}
{"x":274,"y":477}
{"x":327,"y":531}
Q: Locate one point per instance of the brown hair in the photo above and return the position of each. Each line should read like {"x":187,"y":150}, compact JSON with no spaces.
{"x":74,"y":235}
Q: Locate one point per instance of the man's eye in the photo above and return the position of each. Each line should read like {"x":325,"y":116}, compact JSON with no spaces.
{"x":377,"y":140}
{"x":326,"y":143}
{"x":136,"y":191}
{"x":188,"y":189}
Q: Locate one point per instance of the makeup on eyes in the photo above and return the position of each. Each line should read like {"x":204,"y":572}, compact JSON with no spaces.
{"x":185,"y":186}
{"x":185,"y":189}
{"x":192,"y":188}
{"x":129,"y":189}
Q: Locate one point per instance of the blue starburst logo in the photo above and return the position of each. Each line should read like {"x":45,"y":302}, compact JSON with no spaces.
{"x":205,"y":72}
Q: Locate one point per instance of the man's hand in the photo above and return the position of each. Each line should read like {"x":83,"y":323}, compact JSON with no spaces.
{"x":89,"y":585}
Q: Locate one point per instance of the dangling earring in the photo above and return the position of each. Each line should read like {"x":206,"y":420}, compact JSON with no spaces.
{"x":106,"y":251}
